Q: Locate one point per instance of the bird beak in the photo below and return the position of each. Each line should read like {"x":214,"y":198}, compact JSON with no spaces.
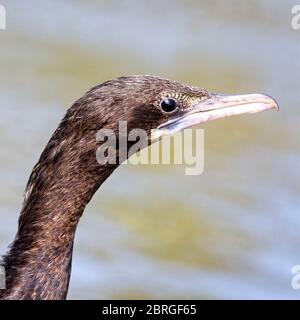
{"x":216,"y":106}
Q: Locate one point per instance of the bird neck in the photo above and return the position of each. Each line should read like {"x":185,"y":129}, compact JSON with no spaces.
{"x":38,"y":264}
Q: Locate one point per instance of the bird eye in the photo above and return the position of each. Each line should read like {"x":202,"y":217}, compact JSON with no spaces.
{"x":168,"y":105}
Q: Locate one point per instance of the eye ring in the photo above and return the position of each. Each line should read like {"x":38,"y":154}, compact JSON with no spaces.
{"x":169,"y":105}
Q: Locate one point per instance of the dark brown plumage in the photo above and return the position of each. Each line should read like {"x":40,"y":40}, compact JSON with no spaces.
{"x":38,"y":263}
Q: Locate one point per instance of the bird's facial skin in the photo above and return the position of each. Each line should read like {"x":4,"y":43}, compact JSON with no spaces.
{"x":187,"y":111}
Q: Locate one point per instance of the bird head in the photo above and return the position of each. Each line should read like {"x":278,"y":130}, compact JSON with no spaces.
{"x":156,"y":106}
{"x":164,"y":106}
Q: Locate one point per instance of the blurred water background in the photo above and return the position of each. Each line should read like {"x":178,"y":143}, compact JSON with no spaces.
{"x":151,"y":231}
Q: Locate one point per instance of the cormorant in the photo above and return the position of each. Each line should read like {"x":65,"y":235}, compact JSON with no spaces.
{"x":38,"y":263}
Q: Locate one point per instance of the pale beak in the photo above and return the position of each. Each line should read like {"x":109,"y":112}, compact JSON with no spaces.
{"x":216,"y":106}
